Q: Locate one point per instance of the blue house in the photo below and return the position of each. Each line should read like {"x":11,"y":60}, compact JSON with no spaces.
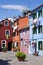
{"x":36,"y":30}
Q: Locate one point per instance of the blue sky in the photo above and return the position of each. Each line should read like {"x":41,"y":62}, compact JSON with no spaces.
{"x":12,"y":8}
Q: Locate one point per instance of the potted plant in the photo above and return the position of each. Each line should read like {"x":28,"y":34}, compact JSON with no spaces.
{"x":4,"y":49}
{"x":21,"y":56}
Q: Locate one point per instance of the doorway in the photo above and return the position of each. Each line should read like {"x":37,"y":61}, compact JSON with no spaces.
{"x":9,"y":45}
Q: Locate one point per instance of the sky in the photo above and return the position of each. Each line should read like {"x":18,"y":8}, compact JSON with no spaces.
{"x":14,"y":8}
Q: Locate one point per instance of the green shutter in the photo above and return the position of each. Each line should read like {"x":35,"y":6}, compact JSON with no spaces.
{"x":40,"y":45}
{"x":34,"y":30}
{"x":40,"y":29}
{"x":34,"y":16}
{"x":40,"y":13}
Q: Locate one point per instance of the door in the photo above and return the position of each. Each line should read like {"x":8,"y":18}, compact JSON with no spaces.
{"x":9,"y":45}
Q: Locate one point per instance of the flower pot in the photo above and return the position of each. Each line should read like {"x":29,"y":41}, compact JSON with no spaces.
{"x":4,"y":49}
{"x":20,"y":59}
{"x":21,"y":56}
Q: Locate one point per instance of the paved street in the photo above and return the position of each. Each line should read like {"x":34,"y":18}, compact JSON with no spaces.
{"x":9,"y":58}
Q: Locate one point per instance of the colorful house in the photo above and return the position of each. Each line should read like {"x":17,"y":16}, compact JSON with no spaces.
{"x":23,"y":29}
{"x":16,"y":36}
{"x":36,"y":31}
{"x":5,"y":34}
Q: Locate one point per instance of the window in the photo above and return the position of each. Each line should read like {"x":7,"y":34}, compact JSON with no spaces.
{"x":34,"y":30}
{"x":3,"y":43}
{"x":16,"y":44}
{"x":7,"y":32}
{"x":40,"y":13}
{"x":40,"y":29}
{"x":34,"y":16}
{"x":17,"y":23}
{"x":14,"y":34}
{"x":24,"y":43}
{"x":6,"y":23}
{"x":40,"y":45}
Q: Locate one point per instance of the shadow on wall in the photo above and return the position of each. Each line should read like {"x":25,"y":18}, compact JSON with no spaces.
{"x":4,"y":62}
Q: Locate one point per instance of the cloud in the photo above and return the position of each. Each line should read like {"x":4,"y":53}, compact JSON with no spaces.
{"x":16,"y":7}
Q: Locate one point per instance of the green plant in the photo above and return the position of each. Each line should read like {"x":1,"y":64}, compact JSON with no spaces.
{"x":4,"y":49}
{"x":21,"y":55}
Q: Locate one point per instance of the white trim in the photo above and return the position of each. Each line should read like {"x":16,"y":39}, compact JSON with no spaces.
{"x":7,"y":22}
{"x":15,"y":44}
{"x":7,"y":30}
{"x":2,"y":43}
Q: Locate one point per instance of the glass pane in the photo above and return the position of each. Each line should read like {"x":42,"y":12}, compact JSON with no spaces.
{"x":34,"y":30}
{"x":3,"y":45}
{"x":40,"y":13}
{"x":34,"y":16}
{"x":7,"y":32}
{"x":17,"y":44}
{"x":40,"y":45}
{"x":40,"y":29}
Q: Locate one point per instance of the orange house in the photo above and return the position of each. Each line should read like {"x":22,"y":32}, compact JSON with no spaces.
{"x":16,"y":36}
{"x":23,"y":22}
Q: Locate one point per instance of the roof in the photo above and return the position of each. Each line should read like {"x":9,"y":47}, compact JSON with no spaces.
{"x":37,"y":7}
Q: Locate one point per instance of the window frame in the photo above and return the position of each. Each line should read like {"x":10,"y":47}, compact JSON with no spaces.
{"x":39,"y":13}
{"x":39,"y":45}
{"x":34,"y":15}
{"x":9,"y":32}
{"x":5,"y":22}
{"x":34,"y":30}
{"x":3,"y":43}
{"x":40,"y":30}
{"x":15,"y":44}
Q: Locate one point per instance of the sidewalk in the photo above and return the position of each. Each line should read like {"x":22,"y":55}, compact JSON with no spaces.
{"x":9,"y":58}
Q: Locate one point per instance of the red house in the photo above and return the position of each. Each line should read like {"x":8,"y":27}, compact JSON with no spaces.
{"x":5,"y":34}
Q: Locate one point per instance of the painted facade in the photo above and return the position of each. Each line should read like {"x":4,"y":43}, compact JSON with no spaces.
{"x":16,"y":36}
{"x":36,"y":31}
{"x":5,"y":34}
{"x":24,"y":34}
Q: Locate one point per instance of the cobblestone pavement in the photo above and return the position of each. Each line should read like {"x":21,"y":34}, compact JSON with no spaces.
{"x":9,"y":58}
